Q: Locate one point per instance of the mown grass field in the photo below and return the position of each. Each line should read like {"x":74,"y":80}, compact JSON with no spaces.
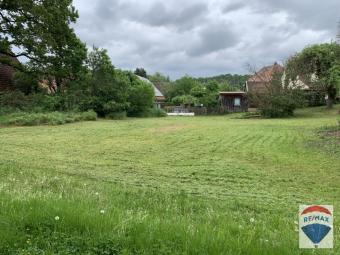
{"x":203,"y":185}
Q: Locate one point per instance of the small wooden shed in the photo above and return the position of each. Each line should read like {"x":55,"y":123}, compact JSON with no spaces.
{"x":234,"y":101}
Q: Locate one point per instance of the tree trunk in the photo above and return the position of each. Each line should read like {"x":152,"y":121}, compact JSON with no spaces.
{"x":58,"y":82}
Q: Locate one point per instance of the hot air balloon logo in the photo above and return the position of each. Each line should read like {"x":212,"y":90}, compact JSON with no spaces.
{"x":316,"y":226}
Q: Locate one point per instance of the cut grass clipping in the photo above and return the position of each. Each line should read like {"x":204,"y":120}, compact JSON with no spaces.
{"x":203,"y":185}
{"x":52,"y":118}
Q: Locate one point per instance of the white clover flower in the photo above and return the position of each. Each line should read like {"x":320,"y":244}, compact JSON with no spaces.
{"x":56,"y":218}
{"x":102,"y":211}
{"x":252,"y":220}
{"x":97,"y":194}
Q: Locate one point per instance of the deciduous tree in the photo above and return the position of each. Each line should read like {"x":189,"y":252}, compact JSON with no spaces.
{"x":141,"y":72}
{"x":319,"y":65}
{"x":40,"y":31}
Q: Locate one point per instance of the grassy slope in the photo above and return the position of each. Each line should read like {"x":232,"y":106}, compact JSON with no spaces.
{"x":167,"y":186}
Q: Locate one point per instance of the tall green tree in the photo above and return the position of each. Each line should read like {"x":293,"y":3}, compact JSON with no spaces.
{"x":319,"y":66}
{"x":141,"y":72}
{"x":183,"y":86}
{"x":108,"y":88}
{"x":40,"y":31}
{"x":112,"y":91}
{"x":141,"y":97}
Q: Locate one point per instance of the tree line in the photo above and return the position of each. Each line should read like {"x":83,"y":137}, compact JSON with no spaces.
{"x":40,"y":33}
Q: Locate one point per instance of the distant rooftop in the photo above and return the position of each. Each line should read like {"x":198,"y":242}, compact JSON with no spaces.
{"x":266,"y":73}
{"x":157,"y":92}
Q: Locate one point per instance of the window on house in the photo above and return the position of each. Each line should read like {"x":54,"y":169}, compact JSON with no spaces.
{"x":237,"y":101}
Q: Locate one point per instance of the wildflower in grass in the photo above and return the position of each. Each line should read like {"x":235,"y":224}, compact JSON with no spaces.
{"x":102,"y":211}
{"x":56,"y":218}
{"x":97,"y":194}
{"x":252,"y":220}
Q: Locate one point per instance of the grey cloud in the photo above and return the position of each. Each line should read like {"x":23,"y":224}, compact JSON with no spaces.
{"x":107,"y":10}
{"x":309,"y":14}
{"x":233,"y":7}
{"x":181,"y":18}
{"x":213,"y":37}
{"x":157,"y":15}
{"x":198,"y":37}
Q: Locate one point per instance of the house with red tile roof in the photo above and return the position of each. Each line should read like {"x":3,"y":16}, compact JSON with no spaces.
{"x":262,"y":79}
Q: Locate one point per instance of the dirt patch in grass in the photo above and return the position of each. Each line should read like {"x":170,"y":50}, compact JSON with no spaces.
{"x":168,"y":129}
{"x":327,"y":141}
{"x":332,"y":133}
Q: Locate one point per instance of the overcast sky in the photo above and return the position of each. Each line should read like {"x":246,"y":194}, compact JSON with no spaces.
{"x":204,"y":38}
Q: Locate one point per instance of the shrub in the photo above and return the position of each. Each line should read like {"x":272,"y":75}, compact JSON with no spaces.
{"x":53,"y":118}
{"x":278,"y":101}
{"x":26,"y":83}
{"x":278,"y":106}
{"x":156,"y":112}
{"x":184,"y":100}
{"x":13,"y":100}
{"x":116,"y":115}
{"x":88,"y":116}
{"x":315,"y":98}
{"x":17,"y":101}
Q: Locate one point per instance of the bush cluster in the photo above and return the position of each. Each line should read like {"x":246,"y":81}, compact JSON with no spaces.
{"x":52,"y":118}
{"x":13,"y":101}
{"x":155,"y":113}
{"x":278,"y":106}
{"x":277,"y":101}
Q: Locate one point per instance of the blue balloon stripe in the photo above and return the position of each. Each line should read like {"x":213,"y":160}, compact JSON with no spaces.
{"x":316,"y":232}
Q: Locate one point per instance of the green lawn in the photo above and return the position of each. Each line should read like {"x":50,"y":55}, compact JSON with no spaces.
{"x":202,"y":185}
